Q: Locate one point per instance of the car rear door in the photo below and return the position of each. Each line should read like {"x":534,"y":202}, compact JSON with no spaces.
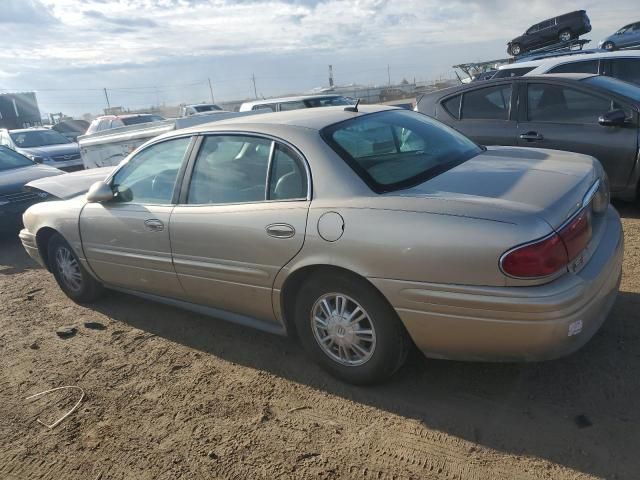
{"x":485,"y":114}
{"x":241,"y":217}
{"x":565,"y":117}
{"x":126,"y":240}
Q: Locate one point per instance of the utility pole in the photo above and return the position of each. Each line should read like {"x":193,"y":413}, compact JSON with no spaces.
{"x":331,"y":75}
{"x":255,"y":91}
{"x":106,"y":95}
{"x":210,"y":90}
{"x":389,"y":73}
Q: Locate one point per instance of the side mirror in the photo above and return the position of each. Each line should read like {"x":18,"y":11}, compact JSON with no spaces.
{"x":99,"y":192}
{"x":614,"y":118}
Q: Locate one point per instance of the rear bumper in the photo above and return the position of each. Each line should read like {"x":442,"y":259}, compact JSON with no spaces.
{"x":512,"y":323}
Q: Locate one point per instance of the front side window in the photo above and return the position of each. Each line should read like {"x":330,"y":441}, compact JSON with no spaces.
{"x":150,"y":176}
{"x":560,"y":104}
{"x":588,"y":66}
{"x":230,"y":169}
{"x":627,"y":69}
{"x":491,"y":103}
{"x":397,"y":149}
{"x":327,"y":102}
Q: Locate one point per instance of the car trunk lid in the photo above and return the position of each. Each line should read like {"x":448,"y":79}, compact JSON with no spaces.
{"x":548,"y":183}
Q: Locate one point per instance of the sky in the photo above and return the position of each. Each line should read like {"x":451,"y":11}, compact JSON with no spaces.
{"x":147,"y":52}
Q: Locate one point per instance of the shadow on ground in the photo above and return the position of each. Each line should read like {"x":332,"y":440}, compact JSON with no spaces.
{"x":580,"y":412}
{"x":13,"y":258}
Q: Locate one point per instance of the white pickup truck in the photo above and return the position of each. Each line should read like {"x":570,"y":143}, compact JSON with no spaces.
{"x":108,"y":147}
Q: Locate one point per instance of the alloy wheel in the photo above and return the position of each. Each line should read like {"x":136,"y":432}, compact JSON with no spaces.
{"x":343,"y":329}
{"x":69,"y":269}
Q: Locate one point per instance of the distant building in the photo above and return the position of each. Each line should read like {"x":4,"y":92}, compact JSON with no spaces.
{"x":19,"y":110}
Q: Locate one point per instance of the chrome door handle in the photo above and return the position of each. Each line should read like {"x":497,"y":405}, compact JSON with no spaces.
{"x":280,"y":230}
{"x":154,"y":225}
{"x":531,"y":137}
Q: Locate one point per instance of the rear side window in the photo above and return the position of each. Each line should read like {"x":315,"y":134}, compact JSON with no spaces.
{"x":288,"y":179}
{"x":396,"y":149}
{"x":512,"y":72}
{"x":452,"y":106}
{"x":264,"y":106}
{"x":491,"y":103}
{"x":588,"y":66}
{"x":559,"y":104}
{"x":627,"y":69}
{"x":286,"y":106}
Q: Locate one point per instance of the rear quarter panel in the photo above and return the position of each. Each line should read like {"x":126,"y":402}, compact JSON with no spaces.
{"x":425,"y":246}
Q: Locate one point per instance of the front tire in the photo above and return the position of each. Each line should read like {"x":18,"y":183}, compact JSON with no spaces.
{"x":349,"y":329}
{"x":72,"y":277}
{"x":565,"y":35}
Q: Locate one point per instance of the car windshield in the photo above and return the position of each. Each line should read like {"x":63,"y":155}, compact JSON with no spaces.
{"x":10,"y":159}
{"x":37,"y":138}
{"x":397,"y":149}
{"x":614,"y":85}
{"x":206,"y":108}
{"x":141,"y":119}
{"x":327,"y":102}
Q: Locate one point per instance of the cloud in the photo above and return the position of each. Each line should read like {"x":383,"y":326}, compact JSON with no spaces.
{"x":122,"y":21}
{"x":286,"y":43}
{"x":25,"y":12}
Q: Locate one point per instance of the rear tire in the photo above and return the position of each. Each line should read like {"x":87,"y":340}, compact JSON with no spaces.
{"x":609,"y":46}
{"x":565,"y":35}
{"x":72,"y":277}
{"x":515,"y":49}
{"x":349,"y":329}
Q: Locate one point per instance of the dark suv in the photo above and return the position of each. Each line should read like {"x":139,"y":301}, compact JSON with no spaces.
{"x":554,"y":30}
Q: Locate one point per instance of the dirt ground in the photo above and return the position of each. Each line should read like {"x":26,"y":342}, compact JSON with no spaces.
{"x":174,"y":395}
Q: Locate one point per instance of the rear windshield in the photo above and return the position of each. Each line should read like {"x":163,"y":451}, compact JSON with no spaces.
{"x":141,"y":119}
{"x":614,"y":85}
{"x":512,"y":72}
{"x":397,"y":149}
{"x":10,"y":159}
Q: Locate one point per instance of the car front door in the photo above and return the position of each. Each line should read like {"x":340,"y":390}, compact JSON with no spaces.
{"x":486,"y":115}
{"x":630,"y":37}
{"x":241,"y":217}
{"x":563,"y":117}
{"x":126,"y":240}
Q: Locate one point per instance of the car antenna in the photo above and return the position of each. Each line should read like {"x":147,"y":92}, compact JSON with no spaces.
{"x":353,"y":108}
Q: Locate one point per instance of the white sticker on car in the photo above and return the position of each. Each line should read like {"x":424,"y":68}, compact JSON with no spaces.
{"x":575,"y":328}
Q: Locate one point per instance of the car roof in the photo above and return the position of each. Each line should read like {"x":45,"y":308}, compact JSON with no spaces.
{"x":309,"y":118}
{"x":126,"y":115}
{"x":550,"y":62}
{"x":290,"y":99}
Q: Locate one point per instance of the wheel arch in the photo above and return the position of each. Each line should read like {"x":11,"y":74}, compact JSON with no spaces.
{"x":295,"y":280}
{"x":43,"y":236}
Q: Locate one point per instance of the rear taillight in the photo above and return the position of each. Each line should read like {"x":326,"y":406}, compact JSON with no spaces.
{"x":538,"y":259}
{"x":577,"y":234}
{"x":551,"y":254}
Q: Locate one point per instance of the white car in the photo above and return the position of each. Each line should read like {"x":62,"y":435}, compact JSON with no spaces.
{"x":624,"y":65}
{"x":296,"y":103}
